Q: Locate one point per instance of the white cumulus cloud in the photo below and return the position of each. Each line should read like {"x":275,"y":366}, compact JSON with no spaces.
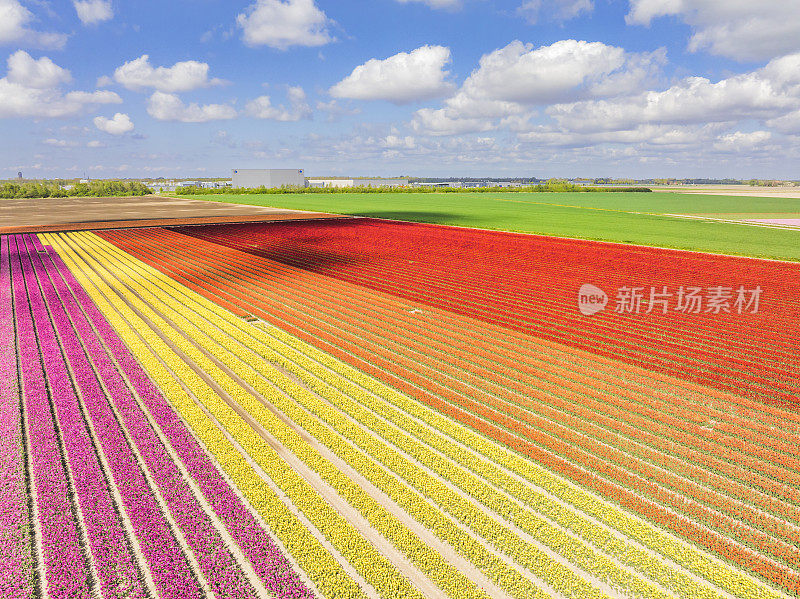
{"x":402,"y":78}
{"x":765,"y":93}
{"x":438,"y":122}
{"x":139,"y":74}
{"x":262,"y":107}
{"x":169,"y":107}
{"x":512,"y":79}
{"x":32,"y":88}
{"x":91,"y":12}
{"x":282,"y":24}
{"x":742,"y":141}
{"x":25,"y":71}
{"x":788,"y":123}
{"x":739,"y":29}
{"x":14,"y":18}
{"x":117,"y":125}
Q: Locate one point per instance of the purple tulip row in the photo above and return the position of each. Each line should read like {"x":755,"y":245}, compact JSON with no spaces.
{"x":15,"y":551}
{"x":52,"y":307}
{"x":269,"y":563}
{"x":65,"y":567}
{"x":224,"y":575}
{"x":115,"y":564}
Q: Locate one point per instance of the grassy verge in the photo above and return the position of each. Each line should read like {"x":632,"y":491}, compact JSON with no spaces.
{"x":620,"y":217}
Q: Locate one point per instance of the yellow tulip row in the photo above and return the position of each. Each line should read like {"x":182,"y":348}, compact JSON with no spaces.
{"x":699,"y":563}
{"x":287,"y":352}
{"x":429,"y":561}
{"x":322,"y":567}
{"x":559,"y":577}
{"x":643,"y":561}
{"x":368,"y":405}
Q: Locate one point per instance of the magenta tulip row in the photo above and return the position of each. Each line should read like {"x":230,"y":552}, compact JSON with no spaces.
{"x":15,"y":552}
{"x":268,"y":561}
{"x":115,"y":472}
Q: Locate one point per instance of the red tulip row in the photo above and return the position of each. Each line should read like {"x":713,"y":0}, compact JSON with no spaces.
{"x":380,"y":255}
{"x":736,"y":460}
{"x":401,"y":373}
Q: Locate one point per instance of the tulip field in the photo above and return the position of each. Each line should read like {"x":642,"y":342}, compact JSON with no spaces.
{"x":362,"y":408}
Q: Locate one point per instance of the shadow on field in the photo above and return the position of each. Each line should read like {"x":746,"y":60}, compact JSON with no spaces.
{"x":419,"y":216}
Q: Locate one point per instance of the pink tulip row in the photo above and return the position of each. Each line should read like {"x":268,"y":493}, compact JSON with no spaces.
{"x":75,"y":396}
{"x":15,"y":552}
{"x":116,"y":570}
{"x":224,"y":575}
{"x":65,"y":567}
{"x":269,"y":563}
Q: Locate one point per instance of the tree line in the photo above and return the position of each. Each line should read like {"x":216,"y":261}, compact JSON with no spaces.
{"x":549,"y":186}
{"x":54,"y":189}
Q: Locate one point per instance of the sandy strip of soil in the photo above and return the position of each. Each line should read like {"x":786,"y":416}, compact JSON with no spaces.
{"x":165,"y":222}
{"x":78,"y":214}
{"x":771,"y":223}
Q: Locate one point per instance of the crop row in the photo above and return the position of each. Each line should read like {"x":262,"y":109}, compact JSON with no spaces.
{"x":737,"y":581}
{"x":776,"y":574}
{"x":320,"y":565}
{"x":317,"y":410}
{"x":114,"y":511}
{"x":16,"y":568}
{"x":265,"y":556}
{"x":428,"y":561}
{"x":431,"y":334}
{"x":732,"y":523}
{"x":529,"y":555}
{"x":366,"y":258}
{"x":752,"y":413}
{"x":428,"y":332}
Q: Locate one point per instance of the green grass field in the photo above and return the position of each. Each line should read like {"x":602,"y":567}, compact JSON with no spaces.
{"x":639,"y":218}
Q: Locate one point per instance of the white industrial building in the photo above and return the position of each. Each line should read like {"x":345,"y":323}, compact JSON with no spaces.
{"x":358,"y":182}
{"x":251,"y":178}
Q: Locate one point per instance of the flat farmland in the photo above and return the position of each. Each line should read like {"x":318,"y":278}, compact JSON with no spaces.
{"x":655,"y":219}
{"x":356,"y":408}
{"x":84,"y":213}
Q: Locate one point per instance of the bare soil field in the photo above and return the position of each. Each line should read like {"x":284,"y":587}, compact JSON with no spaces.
{"x":71,"y":214}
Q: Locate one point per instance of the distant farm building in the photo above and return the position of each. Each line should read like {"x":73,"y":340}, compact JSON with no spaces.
{"x":358,"y":182}
{"x":251,"y":178}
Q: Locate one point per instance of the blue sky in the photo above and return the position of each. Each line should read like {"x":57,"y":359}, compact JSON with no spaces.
{"x":637,"y":88}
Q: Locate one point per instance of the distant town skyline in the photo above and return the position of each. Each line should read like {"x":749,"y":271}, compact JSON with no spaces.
{"x":433,"y":88}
